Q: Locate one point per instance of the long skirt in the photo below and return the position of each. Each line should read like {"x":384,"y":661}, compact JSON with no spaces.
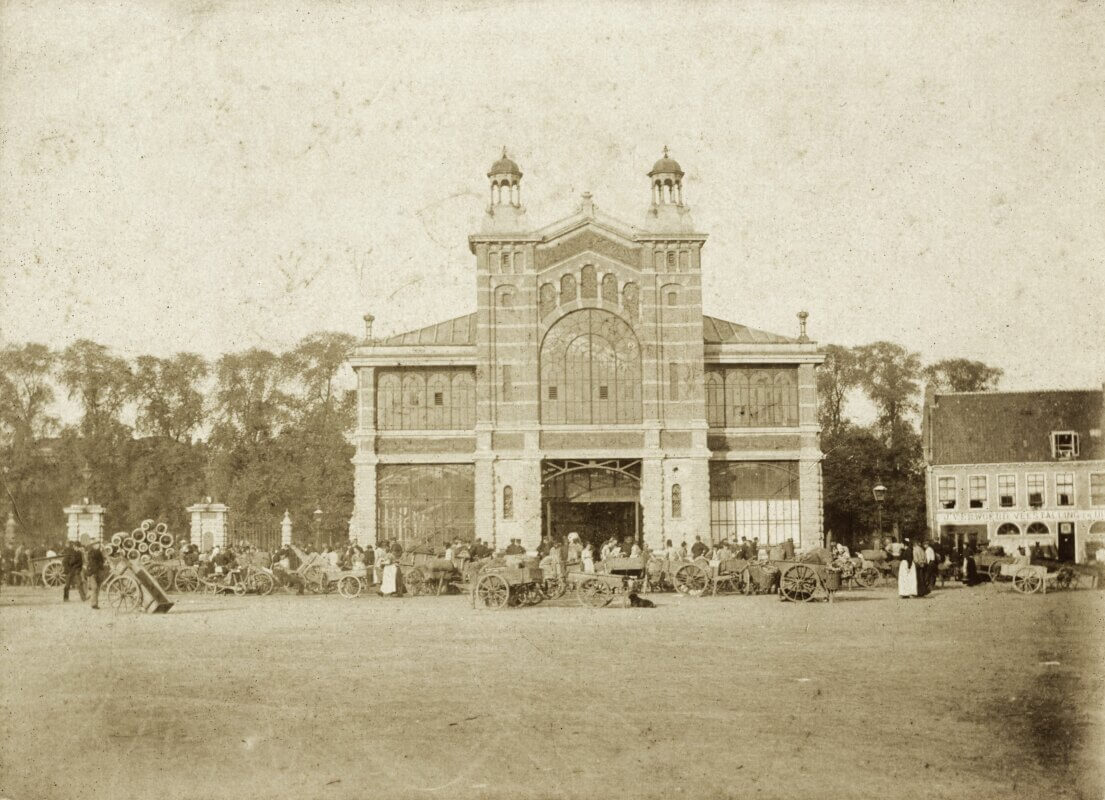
{"x":390,"y":582}
{"x":907,"y":579}
{"x":588,"y":565}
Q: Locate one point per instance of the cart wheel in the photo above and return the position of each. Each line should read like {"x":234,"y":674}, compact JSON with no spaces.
{"x":492,"y":591}
{"x":594,"y":593}
{"x":53,"y":574}
{"x":1027,"y":581}
{"x":798,"y":583}
{"x":187,"y":580}
{"x":995,"y":572}
{"x":123,"y":593}
{"x":261,"y":583}
{"x":239,"y":588}
{"x":1065,"y":578}
{"x":349,"y":586}
{"x":692,"y":580}
{"x":162,"y":574}
{"x":414,"y":581}
{"x":555,"y":587}
{"x":868,"y":576}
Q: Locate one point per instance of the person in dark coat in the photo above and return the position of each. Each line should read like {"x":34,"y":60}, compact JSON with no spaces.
{"x":72,"y":558}
{"x":95,"y":570}
{"x":970,"y":567}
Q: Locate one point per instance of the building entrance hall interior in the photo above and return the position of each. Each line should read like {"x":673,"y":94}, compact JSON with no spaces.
{"x":597,"y":499}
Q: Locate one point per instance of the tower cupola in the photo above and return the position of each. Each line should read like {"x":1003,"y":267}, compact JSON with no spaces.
{"x":506,"y":182}
{"x":667,"y":181}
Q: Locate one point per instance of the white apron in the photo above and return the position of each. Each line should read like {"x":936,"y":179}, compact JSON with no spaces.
{"x":390,"y":577}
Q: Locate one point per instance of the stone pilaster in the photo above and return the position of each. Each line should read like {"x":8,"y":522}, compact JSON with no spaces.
{"x":362,"y":525}
{"x":84,"y":522}
{"x":653,"y":503}
{"x":485,"y":502}
{"x":523,"y":476}
{"x":209,"y":523}
{"x":692,"y":477}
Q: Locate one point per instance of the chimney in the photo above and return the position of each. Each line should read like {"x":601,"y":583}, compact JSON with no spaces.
{"x":368,"y":319}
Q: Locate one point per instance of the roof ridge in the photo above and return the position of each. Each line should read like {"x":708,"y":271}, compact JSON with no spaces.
{"x":1018,"y":391}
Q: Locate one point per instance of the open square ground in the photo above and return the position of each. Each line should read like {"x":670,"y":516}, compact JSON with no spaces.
{"x":967,"y":693}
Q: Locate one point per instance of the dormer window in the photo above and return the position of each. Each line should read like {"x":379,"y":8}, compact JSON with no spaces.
{"x":1064,"y":444}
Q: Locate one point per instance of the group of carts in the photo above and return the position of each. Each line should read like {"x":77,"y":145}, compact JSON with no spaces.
{"x":147,"y":553}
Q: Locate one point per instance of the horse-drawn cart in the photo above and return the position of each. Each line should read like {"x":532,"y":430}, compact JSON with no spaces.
{"x":1041,"y":574}
{"x":498,"y":585}
{"x":617,"y":578}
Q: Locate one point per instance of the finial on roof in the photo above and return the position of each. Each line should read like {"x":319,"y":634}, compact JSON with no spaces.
{"x":665,"y":151}
{"x":368,"y":320}
{"x":802,"y":317}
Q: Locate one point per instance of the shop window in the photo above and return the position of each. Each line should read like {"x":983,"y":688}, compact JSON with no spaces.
{"x":1097,"y":488}
{"x":946,"y":492}
{"x":1007,"y":491}
{"x":508,"y":502}
{"x":1035,"y":485}
{"x":1064,"y":444}
{"x":676,"y":502}
{"x":1064,"y":489}
{"x":1008,"y":529}
{"x":976,"y":491}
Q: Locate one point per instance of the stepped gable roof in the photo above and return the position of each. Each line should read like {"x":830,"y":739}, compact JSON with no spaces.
{"x":1012,"y":427}
{"x":462,"y":331}
{"x":456,"y":331}
{"x":720,"y":331}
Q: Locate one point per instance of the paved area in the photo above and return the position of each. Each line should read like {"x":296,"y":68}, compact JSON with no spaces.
{"x":967,"y":693}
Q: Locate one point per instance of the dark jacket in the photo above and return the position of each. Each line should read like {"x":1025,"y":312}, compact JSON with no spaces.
{"x":71,"y":558}
{"x":94,"y":562}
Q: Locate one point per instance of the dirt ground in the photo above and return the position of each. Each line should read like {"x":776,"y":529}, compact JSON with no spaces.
{"x":971,"y":692}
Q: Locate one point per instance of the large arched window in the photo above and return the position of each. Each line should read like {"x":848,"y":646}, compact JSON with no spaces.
{"x":590,"y":370}
{"x":389,"y":410}
{"x":609,"y":288}
{"x":1037,"y":529}
{"x":1008,"y":529}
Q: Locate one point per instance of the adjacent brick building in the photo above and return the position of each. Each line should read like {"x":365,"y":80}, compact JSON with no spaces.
{"x":587,"y":392}
{"x":1017,"y":468}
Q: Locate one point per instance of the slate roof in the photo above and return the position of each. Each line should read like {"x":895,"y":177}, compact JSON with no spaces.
{"x":1011,"y":427}
{"x":720,"y":331}
{"x":456,"y":331}
{"x":462,"y":331}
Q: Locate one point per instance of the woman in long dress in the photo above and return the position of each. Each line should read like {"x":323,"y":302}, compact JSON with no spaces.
{"x":391,"y":583}
{"x":588,"y":558}
{"x":907,"y":574}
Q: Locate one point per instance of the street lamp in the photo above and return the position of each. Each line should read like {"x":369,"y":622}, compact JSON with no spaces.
{"x":318,"y":526}
{"x":879,"y":491}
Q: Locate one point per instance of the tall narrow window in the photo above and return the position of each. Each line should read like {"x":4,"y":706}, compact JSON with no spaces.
{"x":508,"y":383}
{"x":508,"y":502}
{"x":1097,"y":488}
{"x":1007,"y":491}
{"x":976,"y":488}
{"x":1035,"y":483}
{"x":676,"y":502}
{"x":946,"y":490}
{"x":1064,"y":489}
{"x":673,"y":381}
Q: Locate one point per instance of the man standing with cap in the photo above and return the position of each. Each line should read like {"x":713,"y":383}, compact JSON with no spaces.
{"x":72,"y":559}
{"x":95,"y":568}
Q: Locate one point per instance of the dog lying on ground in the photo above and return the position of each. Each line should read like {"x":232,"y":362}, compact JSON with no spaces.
{"x":636,"y":601}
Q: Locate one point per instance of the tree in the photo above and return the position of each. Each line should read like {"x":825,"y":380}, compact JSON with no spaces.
{"x":890,"y":375}
{"x":167,"y":391}
{"x":100,"y":381}
{"x":835,"y":378}
{"x":250,"y":398}
{"x":962,"y":375}
{"x":26,"y":392}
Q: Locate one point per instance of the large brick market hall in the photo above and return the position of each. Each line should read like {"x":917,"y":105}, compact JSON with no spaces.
{"x":587,"y":392}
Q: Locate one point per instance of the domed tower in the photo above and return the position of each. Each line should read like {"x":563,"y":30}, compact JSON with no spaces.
{"x":667,"y":211}
{"x":505,"y":211}
{"x":667,"y":181}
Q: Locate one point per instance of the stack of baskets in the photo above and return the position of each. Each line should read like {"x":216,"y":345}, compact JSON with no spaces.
{"x":145,"y":543}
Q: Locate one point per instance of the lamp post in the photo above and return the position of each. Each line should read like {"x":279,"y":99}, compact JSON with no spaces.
{"x":318,"y":526}
{"x":879,"y":491}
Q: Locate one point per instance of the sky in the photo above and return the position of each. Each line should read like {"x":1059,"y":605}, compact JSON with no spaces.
{"x":217,"y":176}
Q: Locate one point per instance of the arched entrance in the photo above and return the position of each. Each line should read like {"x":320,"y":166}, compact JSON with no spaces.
{"x":596,"y":498}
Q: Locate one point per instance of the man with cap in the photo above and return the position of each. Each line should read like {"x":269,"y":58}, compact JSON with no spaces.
{"x":73,"y":560}
{"x":96,"y":570}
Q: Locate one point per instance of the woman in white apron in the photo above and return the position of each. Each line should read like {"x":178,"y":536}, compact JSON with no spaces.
{"x":390,"y":582}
